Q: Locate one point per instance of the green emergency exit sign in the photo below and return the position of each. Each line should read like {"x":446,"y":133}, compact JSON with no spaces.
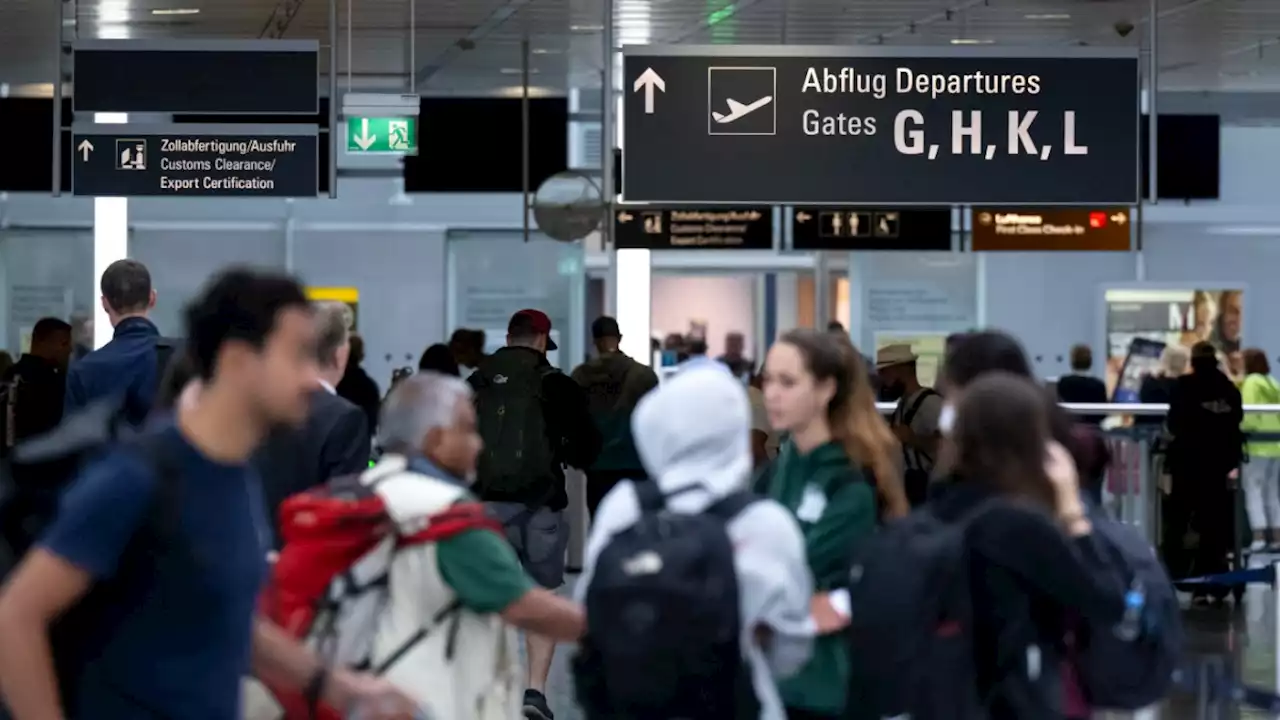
{"x":382,"y":135}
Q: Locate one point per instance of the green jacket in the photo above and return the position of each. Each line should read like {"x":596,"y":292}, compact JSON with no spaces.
{"x":1261,"y":389}
{"x":836,"y":509}
{"x":614,"y":383}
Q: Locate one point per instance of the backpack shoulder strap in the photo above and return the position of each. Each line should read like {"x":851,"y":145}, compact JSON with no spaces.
{"x":453,"y":521}
{"x":730,"y":506}
{"x":910,"y":414}
{"x":649,"y":497}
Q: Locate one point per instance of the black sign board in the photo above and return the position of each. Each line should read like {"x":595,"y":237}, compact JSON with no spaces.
{"x":724,"y":228}
{"x":867,"y":228}
{"x":880,"y":125}
{"x":1018,"y":228}
{"x":196,"y":76}
{"x":195,"y":161}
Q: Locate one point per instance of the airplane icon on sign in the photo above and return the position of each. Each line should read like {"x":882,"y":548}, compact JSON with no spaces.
{"x":739,"y":110}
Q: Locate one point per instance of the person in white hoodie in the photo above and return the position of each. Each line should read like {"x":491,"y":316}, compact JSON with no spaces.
{"x":695,"y":430}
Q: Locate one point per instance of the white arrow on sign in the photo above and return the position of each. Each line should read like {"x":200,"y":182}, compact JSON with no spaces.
{"x":85,"y":147}
{"x":364,"y":139}
{"x":647,"y":81}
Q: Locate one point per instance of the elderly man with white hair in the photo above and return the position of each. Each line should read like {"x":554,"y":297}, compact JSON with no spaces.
{"x":471,"y":669}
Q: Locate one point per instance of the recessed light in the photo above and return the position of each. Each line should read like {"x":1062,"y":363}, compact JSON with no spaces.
{"x":1048,"y":16}
{"x":586,"y":28}
{"x":545,"y":51}
{"x":176,"y":11}
{"x":517,"y":71}
{"x":970,"y":41}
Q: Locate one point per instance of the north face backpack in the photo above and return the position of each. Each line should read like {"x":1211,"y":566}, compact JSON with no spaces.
{"x":509,"y":411}
{"x":911,"y":631}
{"x":329,"y":586}
{"x":663,"y":626}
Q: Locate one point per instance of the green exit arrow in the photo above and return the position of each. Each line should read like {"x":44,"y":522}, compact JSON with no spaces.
{"x":382,"y":135}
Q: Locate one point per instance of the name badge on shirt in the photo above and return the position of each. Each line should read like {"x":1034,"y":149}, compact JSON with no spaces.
{"x":812,"y":504}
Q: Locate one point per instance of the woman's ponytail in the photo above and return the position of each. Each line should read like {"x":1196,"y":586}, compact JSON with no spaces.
{"x":857,"y":425}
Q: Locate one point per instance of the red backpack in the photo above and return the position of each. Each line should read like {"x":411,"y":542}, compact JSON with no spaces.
{"x":329,"y":585}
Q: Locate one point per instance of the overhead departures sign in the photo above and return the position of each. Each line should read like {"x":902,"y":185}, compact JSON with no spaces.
{"x":880,"y":125}
{"x":195,"y":160}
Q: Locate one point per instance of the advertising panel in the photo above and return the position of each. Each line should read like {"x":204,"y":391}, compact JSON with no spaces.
{"x":1165,"y":317}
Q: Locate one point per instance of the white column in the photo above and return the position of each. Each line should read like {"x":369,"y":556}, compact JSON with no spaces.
{"x":632,"y":303}
{"x":110,"y":238}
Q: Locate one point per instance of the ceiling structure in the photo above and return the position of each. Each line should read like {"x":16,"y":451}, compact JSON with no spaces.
{"x":475,"y":46}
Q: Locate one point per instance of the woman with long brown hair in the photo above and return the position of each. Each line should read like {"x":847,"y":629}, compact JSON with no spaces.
{"x":839,"y":454}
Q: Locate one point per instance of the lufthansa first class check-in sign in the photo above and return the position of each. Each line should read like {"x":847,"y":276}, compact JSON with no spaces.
{"x":880,"y":125}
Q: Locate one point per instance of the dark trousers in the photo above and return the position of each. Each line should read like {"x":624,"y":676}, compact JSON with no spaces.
{"x":600,"y":482}
{"x":1201,"y":505}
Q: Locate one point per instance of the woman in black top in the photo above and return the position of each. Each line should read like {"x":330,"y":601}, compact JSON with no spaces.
{"x":1034,"y":564}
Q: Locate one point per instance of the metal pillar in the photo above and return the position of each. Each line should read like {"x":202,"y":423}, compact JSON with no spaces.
{"x":1153,"y":89}
{"x":608,"y":136}
{"x":526,"y":198}
{"x":57,"y":101}
{"x":821,"y":290}
{"x":333,"y":96}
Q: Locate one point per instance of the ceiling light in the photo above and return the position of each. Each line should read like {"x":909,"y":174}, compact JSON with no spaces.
{"x":586,"y":28}
{"x":970,"y":41}
{"x":517,"y":71}
{"x":1048,"y":16}
{"x":176,"y":11}
{"x":546,"y":51}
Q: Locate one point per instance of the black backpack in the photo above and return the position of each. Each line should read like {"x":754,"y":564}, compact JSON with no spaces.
{"x":1132,"y":665}
{"x":916,"y":480}
{"x":34,"y":472}
{"x":84,"y":630}
{"x":663,"y":625}
{"x":911,"y":630}
{"x":509,"y":412}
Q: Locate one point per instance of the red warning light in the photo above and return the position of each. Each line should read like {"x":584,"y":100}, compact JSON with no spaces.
{"x":1097,"y":219}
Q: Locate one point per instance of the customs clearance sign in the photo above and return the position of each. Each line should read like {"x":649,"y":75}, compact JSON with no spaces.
{"x":880,"y":125}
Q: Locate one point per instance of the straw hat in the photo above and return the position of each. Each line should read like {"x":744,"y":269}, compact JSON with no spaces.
{"x":896,"y":354}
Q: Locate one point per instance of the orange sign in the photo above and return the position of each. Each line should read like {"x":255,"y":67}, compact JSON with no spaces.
{"x":1051,"y":229}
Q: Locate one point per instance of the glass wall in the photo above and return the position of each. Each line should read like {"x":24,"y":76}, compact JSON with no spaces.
{"x":494,"y":274}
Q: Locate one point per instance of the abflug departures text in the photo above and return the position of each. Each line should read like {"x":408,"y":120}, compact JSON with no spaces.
{"x":971,"y":132}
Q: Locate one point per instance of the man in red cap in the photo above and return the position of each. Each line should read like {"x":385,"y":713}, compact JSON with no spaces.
{"x":534,"y":420}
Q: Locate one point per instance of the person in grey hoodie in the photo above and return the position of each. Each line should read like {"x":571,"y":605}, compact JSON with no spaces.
{"x":694,"y":430}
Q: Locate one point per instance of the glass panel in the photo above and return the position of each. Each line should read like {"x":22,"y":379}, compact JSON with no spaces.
{"x":182,"y":261}
{"x":493,"y":274}
{"x":45,"y":273}
{"x":897,"y":293}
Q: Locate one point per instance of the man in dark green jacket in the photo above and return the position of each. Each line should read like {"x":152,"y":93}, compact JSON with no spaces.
{"x":614,"y":383}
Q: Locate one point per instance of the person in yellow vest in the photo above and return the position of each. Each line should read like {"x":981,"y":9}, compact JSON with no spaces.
{"x":1262,"y":471}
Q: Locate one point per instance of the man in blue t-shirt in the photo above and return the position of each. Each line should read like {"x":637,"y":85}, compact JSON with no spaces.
{"x":184,"y":632}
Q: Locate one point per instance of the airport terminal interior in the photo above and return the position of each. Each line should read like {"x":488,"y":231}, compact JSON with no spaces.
{"x":712,"y":173}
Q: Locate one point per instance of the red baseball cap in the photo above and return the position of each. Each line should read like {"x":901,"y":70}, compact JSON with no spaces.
{"x":531,"y":322}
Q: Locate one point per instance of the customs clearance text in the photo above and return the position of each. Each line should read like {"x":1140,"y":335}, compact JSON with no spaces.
{"x":244,"y":164}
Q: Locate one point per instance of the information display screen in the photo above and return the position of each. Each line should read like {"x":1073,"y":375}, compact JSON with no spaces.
{"x":880,"y":125}
{"x":195,"y":161}
{"x":867,"y":228}
{"x":197,"y":76}
{"x":1012,"y":228}
{"x":691,"y":228}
